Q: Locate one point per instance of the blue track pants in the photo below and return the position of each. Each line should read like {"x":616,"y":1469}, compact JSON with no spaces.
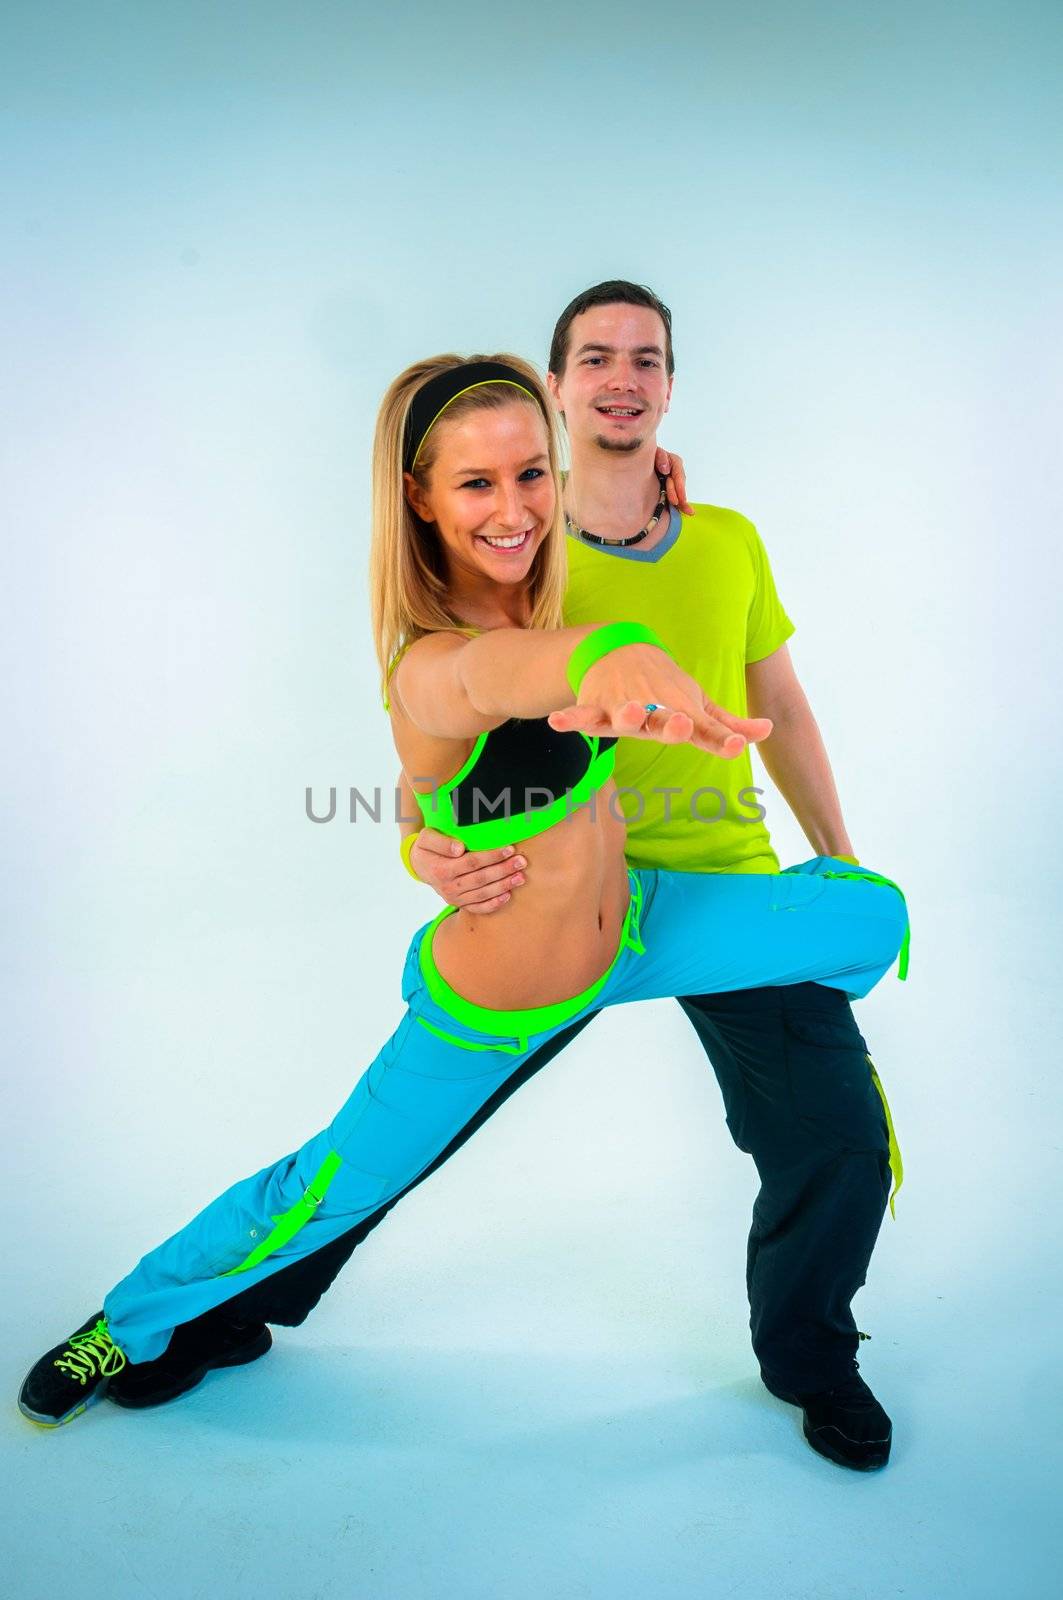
{"x":688,"y":934}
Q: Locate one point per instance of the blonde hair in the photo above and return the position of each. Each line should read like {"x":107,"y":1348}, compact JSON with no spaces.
{"x":407,"y":574}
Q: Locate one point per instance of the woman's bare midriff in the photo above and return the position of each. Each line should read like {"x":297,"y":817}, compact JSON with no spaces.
{"x":559,"y":931}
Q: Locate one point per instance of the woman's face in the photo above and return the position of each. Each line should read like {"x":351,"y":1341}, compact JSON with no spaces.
{"x":489,"y":491}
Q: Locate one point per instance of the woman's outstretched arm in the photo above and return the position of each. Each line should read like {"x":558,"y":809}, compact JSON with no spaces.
{"x":453,"y":688}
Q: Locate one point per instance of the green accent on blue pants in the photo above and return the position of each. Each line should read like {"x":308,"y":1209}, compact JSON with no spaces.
{"x":686,"y":934}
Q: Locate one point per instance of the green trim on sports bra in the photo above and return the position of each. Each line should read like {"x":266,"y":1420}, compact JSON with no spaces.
{"x":437,"y":807}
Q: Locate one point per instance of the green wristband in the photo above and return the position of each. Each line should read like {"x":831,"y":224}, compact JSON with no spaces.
{"x":599,"y":643}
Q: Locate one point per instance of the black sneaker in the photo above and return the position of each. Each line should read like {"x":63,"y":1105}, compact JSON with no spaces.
{"x":845,"y":1423}
{"x":195,"y":1348}
{"x":73,"y":1376}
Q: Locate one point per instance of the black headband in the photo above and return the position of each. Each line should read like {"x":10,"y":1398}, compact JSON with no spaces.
{"x":433,"y":398}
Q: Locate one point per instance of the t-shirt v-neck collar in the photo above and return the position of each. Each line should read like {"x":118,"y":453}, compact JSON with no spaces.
{"x":633,"y":552}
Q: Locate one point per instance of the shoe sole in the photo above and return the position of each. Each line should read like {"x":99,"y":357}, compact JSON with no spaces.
{"x":235,"y":1358}
{"x":60,"y":1422}
{"x":822,"y":1446}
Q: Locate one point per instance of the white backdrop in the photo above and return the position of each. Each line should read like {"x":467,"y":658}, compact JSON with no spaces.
{"x":225,"y":229}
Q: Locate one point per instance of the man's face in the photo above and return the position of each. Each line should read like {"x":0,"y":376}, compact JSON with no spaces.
{"x":614,"y":389}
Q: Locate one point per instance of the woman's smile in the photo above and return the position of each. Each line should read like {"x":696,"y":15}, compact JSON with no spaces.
{"x":509,"y":544}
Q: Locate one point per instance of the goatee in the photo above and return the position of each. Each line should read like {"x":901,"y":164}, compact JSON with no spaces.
{"x":623,"y":446}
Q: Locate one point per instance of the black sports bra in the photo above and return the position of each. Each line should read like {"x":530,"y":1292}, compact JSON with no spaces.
{"x":520,"y":779}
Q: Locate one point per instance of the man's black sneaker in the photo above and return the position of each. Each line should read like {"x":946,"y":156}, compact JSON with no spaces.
{"x":195,"y":1348}
{"x":844,"y":1423}
{"x":73,"y":1376}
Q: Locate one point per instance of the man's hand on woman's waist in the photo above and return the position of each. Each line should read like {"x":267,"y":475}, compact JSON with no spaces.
{"x":473,"y":880}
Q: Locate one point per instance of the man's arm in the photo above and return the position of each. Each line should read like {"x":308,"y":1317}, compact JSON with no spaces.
{"x":480,"y":880}
{"x":795,"y":756}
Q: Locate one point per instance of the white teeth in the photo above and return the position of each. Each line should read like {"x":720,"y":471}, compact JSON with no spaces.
{"x":506,"y":544}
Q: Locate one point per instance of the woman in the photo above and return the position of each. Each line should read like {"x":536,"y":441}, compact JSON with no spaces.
{"x":505,"y":722}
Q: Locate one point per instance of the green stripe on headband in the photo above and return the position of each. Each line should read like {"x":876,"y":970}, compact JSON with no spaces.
{"x":440,"y":391}
{"x":483,"y":383}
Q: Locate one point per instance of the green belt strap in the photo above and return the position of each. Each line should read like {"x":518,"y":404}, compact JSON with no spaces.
{"x":290,"y":1222}
{"x":517,"y":1048}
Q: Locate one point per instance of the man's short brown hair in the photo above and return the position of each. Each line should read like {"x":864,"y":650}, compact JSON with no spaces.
{"x":617,"y":291}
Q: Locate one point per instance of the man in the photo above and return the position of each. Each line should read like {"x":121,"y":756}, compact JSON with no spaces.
{"x":799,"y":1090}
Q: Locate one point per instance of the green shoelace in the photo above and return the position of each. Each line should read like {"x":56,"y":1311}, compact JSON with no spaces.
{"x":91,"y":1354}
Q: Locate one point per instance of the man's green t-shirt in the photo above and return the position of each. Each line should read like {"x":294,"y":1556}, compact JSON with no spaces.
{"x":709,"y":595}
